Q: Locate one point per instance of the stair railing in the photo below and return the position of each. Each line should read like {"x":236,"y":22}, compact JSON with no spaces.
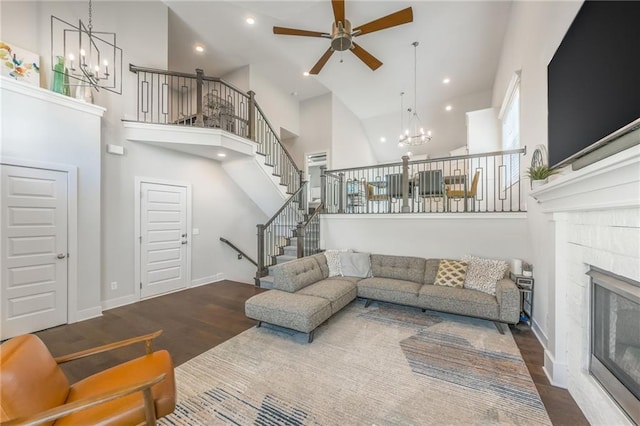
{"x":277,"y":231}
{"x":308,"y":234}
{"x":276,"y":155}
{"x":169,"y":97}
{"x":241,"y":254}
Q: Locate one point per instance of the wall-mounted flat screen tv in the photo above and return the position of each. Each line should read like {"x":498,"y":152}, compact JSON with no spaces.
{"x":594,"y":79}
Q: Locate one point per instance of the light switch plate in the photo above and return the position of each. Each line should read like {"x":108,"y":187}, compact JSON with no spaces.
{"x":195,"y":231}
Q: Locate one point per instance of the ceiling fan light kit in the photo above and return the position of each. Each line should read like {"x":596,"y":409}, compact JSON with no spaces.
{"x":342,"y":34}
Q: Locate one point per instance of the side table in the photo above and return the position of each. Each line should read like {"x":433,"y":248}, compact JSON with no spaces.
{"x":525,"y":285}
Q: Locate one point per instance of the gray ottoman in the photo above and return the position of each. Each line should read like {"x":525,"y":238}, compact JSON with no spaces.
{"x":296,"y":311}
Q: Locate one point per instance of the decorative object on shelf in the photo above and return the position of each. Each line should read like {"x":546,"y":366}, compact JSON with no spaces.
{"x":527,"y":269}
{"x":20,"y":64}
{"x":539,"y":175}
{"x":414,"y":133}
{"x":93,"y":58}
{"x":83,"y":93}
{"x":58,"y":75}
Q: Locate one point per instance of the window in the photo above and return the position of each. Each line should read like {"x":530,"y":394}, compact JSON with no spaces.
{"x":510,"y":116}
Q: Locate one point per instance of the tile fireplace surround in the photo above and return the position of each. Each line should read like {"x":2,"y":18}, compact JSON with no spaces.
{"x":596,"y":215}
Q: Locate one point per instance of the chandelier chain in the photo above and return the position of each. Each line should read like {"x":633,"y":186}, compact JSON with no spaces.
{"x":415,"y":76}
{"x":90,"y":17}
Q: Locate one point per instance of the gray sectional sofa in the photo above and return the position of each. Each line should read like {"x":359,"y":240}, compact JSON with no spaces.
{"x":304,"y":296}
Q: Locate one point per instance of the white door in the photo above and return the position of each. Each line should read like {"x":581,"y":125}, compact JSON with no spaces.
{"x":163,"y":238}
{"x":33,"y":234}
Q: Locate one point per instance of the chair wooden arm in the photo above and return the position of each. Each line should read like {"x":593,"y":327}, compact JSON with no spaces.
{"x":115,"y":345}
{"x":66,"y":409}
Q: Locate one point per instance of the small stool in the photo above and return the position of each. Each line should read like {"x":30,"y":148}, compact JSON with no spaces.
{"x":295,"y":311}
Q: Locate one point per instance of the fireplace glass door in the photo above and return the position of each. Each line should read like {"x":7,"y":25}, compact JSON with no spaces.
{"x":615,"y":338}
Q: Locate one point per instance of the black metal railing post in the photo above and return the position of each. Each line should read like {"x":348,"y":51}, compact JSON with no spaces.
{"x":260,"y":272}
{"x":300,"y":231}
{"x":199,"y":84}
{"x":405,"y":184}
{"x":252,"y":115}
{"x":342,"y":192}
{"x":323,"y":186}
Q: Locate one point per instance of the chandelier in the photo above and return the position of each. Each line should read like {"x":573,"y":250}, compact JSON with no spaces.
{"x":414,"y":133}
{"x":91,"y":58}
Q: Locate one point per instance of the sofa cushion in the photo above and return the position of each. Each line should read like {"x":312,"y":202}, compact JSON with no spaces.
{"x":355,"y":264}
{"x":451,"y":273}
{"x":398,"y":267}
{"x":389,"y":290}
{"x":431,"y":270}
{"x":333,"y":262}
{"x":483,"y":274}
{"x":297,"y":274}
{"x":459,"y":301}
{"x":296,"y":311}
{"x":338,"y":292}
{"x":322,"y":261}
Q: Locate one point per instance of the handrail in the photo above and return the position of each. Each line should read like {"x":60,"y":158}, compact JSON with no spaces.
{"x":136,"y":69}
{"x":315,"y":213}
{"x":286,"y":203}
{"x":241,"y":253}
{"x":433,"y":160}
{"x":284,"y":148}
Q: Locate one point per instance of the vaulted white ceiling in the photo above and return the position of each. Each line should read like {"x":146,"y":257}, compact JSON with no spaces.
{"x":461,"y":40}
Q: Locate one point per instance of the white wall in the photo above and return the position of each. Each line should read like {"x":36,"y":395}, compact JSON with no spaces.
{"x":483,"y":131}
{"x":315,"y":129}
{"x":350,"y":146}
{"x":430,"y":236}
{"x":33,"y":129}
{"x":534,"y":33}
{"x":281,"y":108}
{"x":240,"y":78}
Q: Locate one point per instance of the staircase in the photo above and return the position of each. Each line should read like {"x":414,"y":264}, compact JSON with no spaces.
{"x":290,"y":252}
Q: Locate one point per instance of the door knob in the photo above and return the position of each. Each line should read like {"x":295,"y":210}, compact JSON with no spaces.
{"x":61,"y":256}
{"x":184,"y":241}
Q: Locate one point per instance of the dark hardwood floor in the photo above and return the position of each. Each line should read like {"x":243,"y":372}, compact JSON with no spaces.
{"x":198,"y":319}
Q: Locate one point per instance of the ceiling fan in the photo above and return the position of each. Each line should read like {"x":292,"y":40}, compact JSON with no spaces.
{"x":342,"y":34}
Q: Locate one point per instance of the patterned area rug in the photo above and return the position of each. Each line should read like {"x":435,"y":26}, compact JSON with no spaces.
{"x":384,"y":365}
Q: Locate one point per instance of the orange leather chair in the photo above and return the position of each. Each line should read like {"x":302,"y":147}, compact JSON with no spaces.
{"x":34,"y":389}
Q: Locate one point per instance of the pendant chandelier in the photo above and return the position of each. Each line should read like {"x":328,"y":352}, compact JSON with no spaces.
{"x":414,"y":133}
{"x":91,"y":58}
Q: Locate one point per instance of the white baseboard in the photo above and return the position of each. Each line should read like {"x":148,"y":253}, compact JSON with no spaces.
{"x":88,"y":313}
{"x":557,"y":373}
{"x":540,"y":335}
{"x":120,"y":301}
{"x":205,"y":280}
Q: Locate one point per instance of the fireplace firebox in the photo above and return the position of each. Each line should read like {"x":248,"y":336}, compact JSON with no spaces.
{"x":615,"y":338}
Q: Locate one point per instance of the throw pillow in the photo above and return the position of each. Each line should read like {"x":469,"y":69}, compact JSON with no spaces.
{"x":333,"y":261}
{"x":483,"y":274}
{"x":451,"y":273}
{"x":355,"y":265}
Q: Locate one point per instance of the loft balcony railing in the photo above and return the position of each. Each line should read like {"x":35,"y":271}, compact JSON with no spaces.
{"x":479,"y":183}
{"x":183,"y":99}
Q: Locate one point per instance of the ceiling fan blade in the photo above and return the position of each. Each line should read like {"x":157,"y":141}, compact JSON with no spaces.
{"x":338,"y":10}
{"x":366,"y":57}
{"x":400,"y":17}
{"x":323,"y":60}
{"x":295,"y":32}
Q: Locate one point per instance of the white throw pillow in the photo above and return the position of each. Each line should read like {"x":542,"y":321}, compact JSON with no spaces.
{"x":333,"y":261}
{"x":483,"y":274}
{"x":355,"y":265}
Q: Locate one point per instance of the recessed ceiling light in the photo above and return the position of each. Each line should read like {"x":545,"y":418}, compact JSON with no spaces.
{"x":250,"y":21}
{"x":222,"y":154}
{"x":306,"y":73}
{"x":383,"y":139}
{"x":199,"y":48}
{"x":447,"y":80}
{"x":448,"y":107}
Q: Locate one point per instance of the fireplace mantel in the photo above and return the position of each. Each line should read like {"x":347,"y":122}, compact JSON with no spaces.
{"x":610,"y":183}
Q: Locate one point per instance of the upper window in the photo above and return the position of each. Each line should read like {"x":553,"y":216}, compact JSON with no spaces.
{"x":510,"y":116}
